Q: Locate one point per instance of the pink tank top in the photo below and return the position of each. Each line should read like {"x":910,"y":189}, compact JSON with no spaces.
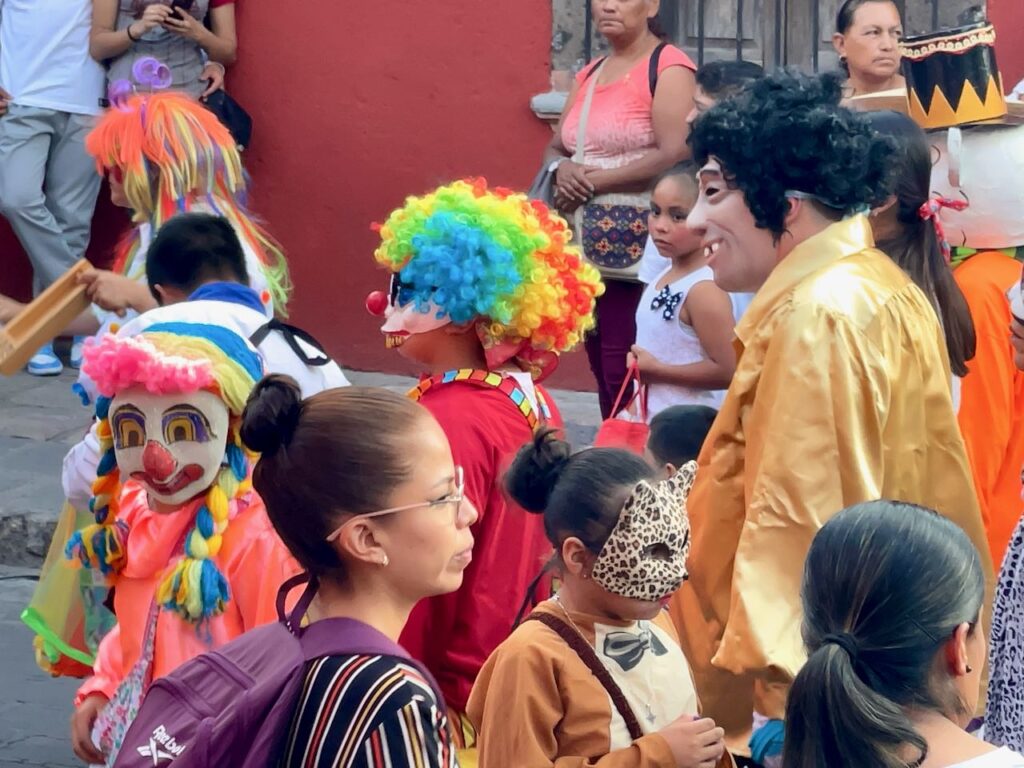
{"x":619,"y":128}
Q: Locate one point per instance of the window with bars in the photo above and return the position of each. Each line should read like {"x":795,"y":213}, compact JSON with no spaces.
{"x":772,"y":32}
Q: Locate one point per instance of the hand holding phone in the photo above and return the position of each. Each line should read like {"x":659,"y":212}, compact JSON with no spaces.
{"x":182,"y":22}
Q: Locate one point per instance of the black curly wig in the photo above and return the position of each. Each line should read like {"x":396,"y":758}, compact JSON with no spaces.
{"x":786,"y":132}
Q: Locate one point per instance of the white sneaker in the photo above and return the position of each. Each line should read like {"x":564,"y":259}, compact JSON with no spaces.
{"x":45,"y":362}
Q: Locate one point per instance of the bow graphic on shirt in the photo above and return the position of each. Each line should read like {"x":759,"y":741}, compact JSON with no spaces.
{"x":670,"y":301}
{"x":628,"y":650}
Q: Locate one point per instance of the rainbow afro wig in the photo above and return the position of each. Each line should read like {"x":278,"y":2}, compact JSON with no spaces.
{"x":172,"y":154}
{"x":171,"y":358}
{"x":492,"y":257}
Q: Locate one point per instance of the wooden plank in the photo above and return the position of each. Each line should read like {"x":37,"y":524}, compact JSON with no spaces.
{"x":920,"y":14}
{"x":772,"y":25}
{"x":42,"y":320}
{"x":801,"y":38}
{"x":720,"y":19}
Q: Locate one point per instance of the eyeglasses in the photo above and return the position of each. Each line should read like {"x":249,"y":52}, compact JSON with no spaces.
{"x":454,"y":499}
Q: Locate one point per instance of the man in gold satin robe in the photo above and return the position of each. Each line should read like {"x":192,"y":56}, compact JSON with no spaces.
{"x":841,"y":392}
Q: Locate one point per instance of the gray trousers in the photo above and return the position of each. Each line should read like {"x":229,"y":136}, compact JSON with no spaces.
{"x":48,"y":187}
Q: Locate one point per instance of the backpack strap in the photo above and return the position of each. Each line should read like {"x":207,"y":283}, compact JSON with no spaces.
{"x":652,"y":67}
{"x":341,"y":636}
{"x":292,"y":335}
{"x":293,"y":621}
{"x":589,"y":657}
{"x":655,"y":58}
{"x":490,"y":380}
{"x":593,"y":68}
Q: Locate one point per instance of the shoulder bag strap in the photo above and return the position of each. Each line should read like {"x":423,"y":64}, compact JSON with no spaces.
{"x":335,"y":637}
{"x":581,"y":140}
{"x":588,"y":98}
{"x":652,"y":67}
{"x":589,"y":657}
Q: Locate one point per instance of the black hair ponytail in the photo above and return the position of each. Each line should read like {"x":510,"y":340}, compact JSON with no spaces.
{"x":885,"y":586}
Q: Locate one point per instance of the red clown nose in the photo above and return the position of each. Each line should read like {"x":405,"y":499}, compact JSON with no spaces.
{"x":158,"y":462}
{"x":377,"y":303}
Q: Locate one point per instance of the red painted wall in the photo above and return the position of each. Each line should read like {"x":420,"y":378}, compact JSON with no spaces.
{"x":1008,"y":18}
{"x":357,"y":105}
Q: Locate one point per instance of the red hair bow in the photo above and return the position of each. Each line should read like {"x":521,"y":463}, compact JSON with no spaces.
{"x":930,"y":210}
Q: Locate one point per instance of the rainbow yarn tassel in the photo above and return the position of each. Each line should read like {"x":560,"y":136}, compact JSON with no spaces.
{"x":101,"y":545}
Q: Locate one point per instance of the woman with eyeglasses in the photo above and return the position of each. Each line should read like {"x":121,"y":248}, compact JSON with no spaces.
{"x":360,"y":485}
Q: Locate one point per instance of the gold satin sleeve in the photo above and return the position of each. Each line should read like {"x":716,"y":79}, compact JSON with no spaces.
{"x":814,"y":439}
{"x":844,"y":413}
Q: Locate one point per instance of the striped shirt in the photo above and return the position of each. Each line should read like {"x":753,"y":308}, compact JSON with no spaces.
{"x":368,"y":712}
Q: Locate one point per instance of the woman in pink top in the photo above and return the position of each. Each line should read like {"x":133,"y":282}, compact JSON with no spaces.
{"x":635,"y":128}
{"x":179,"y":532}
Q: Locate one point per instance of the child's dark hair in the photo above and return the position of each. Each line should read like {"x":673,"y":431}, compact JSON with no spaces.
{"x":885,"y":586}
{"x":338,"y":452}
{"x":580,"y":494}
{"x":722,"y":79}
{"x":678,"y":433}
{"x":916,"y":248}
{"x":194,"y":248}
{"x":686,"y":169}
{"x":786,"y":132}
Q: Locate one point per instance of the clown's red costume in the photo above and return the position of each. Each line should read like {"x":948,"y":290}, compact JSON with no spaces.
{"x":485,"y":293}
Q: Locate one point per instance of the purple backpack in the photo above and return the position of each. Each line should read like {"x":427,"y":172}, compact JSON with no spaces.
{"x":234,"y":706}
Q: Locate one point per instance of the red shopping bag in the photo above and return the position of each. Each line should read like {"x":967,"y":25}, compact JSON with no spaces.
{"x":621,"y":430}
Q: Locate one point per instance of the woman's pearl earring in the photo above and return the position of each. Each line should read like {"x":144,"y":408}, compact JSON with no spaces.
{"x":384,"y":561}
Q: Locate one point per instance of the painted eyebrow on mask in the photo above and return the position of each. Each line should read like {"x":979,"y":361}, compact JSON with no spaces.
{"x":197,"y":425}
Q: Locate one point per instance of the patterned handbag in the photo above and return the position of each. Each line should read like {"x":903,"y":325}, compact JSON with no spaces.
{"x":611,"y":229}
{"x":613,"y":238}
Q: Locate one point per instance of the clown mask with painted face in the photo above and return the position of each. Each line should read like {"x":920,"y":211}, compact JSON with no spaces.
{"x":172,"y":444}
{"x":644,"y":557}
{"x":404,"y":316}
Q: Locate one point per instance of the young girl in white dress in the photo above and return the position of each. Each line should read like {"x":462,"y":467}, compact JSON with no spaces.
{"x":684,"y":322}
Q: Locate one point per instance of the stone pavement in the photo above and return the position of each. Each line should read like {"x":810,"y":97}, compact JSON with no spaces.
{"x":39,"y":420}
{"x":35,"y":709}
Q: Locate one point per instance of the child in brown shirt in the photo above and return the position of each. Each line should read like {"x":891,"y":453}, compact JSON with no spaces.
{"x":595,"y":676}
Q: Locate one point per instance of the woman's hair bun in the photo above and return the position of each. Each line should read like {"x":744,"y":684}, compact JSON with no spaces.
{"x":532,"y":478}
{"x":271,"y":414}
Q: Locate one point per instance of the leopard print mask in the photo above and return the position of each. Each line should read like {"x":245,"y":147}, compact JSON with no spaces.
{"x":644,"y":558}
